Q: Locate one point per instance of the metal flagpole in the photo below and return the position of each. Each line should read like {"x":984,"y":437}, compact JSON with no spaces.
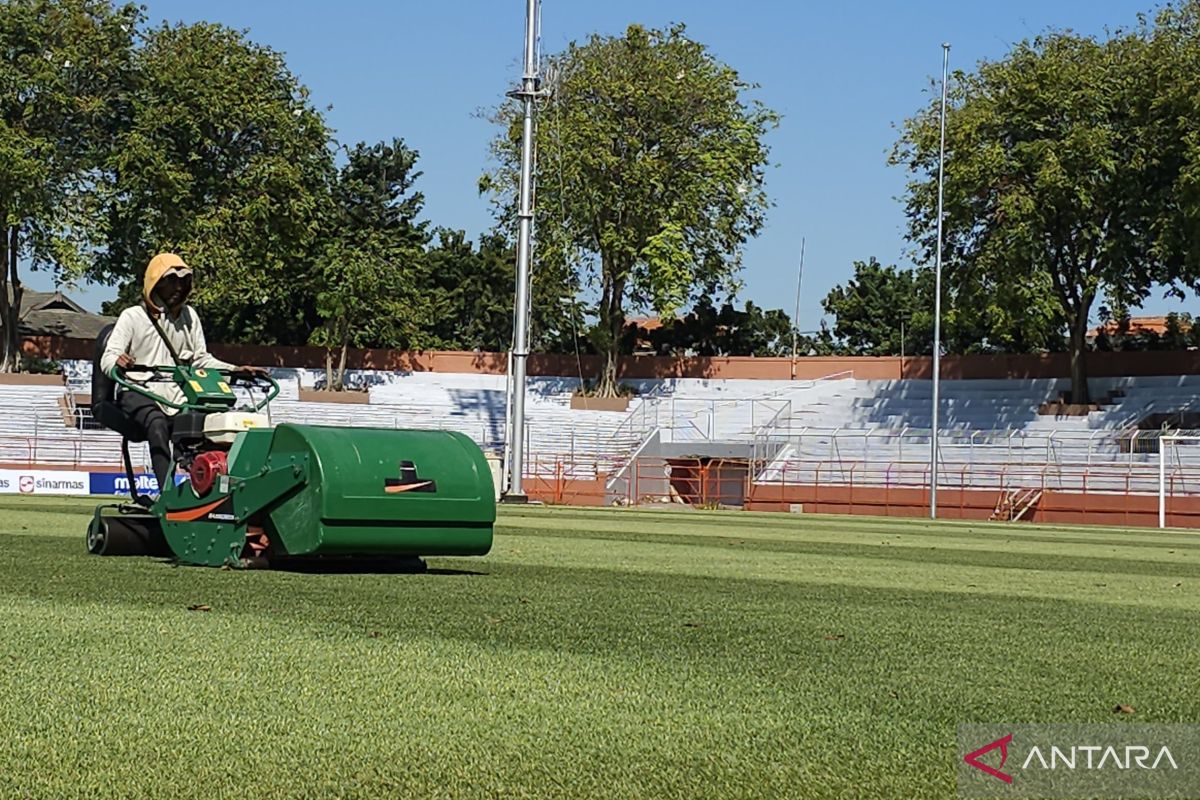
{"x":796,"y":316}
{"x":527,"y":94}
{"x":937,"y":302}
{"x":1162,"y":484}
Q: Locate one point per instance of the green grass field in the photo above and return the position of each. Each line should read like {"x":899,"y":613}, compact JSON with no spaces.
{"x":593,"y":654}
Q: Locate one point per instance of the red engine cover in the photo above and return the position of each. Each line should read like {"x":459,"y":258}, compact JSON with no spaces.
{"x":206,"y":468}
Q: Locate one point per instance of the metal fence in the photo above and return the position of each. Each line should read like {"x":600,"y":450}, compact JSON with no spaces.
{"x":958,"y":450}
{"x":73,"y":440}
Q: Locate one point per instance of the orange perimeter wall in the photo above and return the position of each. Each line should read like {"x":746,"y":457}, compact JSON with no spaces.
{"x":1064,"y":508}
{"x":978,"y":504}
{"x":1054,"y":365}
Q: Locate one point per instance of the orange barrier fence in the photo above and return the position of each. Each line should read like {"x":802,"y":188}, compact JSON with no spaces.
{"x":1068,"y":508}
{"x":1111,"y":494}
{"x":1108,"y":494}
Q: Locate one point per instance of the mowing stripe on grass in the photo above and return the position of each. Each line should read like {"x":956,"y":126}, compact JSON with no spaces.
{"x":592,"y":654}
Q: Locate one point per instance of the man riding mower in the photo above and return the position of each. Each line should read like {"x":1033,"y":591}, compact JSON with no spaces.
{"x":254,"y":495}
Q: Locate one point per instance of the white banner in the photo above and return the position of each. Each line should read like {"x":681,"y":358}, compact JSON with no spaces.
{"x":43,"y":481}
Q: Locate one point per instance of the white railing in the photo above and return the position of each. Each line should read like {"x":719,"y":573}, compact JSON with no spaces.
{"x":744,"y":416}
{"x":837,"y":454}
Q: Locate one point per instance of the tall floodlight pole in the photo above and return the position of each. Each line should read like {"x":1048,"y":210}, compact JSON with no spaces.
{"x":937,"y":299}
{"x":796,"y":316}
{"x":527,"y":94}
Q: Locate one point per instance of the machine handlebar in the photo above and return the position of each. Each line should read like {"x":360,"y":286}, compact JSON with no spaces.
{"x":159,"y":374}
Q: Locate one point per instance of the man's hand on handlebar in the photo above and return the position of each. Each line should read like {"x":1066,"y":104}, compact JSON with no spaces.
{"x":125,"y":361}
{"x":248,"y":371}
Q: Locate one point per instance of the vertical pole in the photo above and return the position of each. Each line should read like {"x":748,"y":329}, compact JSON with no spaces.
{"x":508,"y":427}
{"x":796,"y":316}
{"x":520,"y":352}
{"x":937,"y":302}
{"x":1162,"y":483}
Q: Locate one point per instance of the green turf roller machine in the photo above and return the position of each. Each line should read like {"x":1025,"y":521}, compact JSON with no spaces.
{"x":253,"y":495}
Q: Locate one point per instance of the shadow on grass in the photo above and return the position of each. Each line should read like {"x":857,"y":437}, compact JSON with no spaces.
{"x":364,"y":566}
{"x":323,"y":566}
{"x":329,"y":566}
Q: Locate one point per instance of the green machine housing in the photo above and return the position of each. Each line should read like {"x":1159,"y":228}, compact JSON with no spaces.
{"x":303,"y":491}
{"x":293,"y":492}
{"x":203,"y":387}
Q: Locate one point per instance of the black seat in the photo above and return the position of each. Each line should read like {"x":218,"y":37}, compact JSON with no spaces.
{"x":187,"y":429}
{"x":104,"y":397}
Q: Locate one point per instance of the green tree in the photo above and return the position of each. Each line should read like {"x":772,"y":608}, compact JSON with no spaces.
{"x":1171,"y":73}
{"x":62,"y":63}
{"x":1176,"y":332}
{"x":1052,"y":189}
{"x":707,"y":330}
{"x":819,"y":343}
{"x":651,"y":164}
{"x":373,"y":268}
{"x":366,"y":300}
{"x":473,"y":290}
{"x":879,"y":305}
{"x":223,"y":159}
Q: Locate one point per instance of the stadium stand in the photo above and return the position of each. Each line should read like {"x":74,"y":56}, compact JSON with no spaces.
{"x":1006,"y":435}
{"x":560,"y":440}
{"x":992,"y":434}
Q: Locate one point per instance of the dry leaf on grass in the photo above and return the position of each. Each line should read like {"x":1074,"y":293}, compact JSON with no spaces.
{"x":835,"y":637}
{"x":199,"y":607}
{"x":1123,"y":709}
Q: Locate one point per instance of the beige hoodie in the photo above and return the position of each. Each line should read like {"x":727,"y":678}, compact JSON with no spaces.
{"x":135,"y":334}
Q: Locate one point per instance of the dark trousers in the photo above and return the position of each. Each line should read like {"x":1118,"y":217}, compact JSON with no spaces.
{"x":157,"y":424}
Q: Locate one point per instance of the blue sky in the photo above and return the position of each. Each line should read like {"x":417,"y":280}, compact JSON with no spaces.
{"x":841,"y":74}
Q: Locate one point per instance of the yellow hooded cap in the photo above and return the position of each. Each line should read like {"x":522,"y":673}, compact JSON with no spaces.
{"x":160,"y":265}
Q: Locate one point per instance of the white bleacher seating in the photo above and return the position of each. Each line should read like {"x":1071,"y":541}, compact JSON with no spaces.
{"x":833,"y":430}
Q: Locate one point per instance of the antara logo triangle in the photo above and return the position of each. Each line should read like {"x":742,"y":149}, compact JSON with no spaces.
{"x":1000,"y":744}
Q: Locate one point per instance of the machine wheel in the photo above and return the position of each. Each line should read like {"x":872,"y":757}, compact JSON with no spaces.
{"x":126,"y":535}
{"x":97,"y":534}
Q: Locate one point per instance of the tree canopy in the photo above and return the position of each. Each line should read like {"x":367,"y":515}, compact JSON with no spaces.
{"x":1062,"y":186}
{"x":223,"y":158}
{"x":651,"y":163}
{"x":889,"y":311}
{"x":707,"y":330}
{"x":1073,"y":187}
{"x":883,"y":310}
{"x":371,"y":270}
{"x":63,"y":65}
